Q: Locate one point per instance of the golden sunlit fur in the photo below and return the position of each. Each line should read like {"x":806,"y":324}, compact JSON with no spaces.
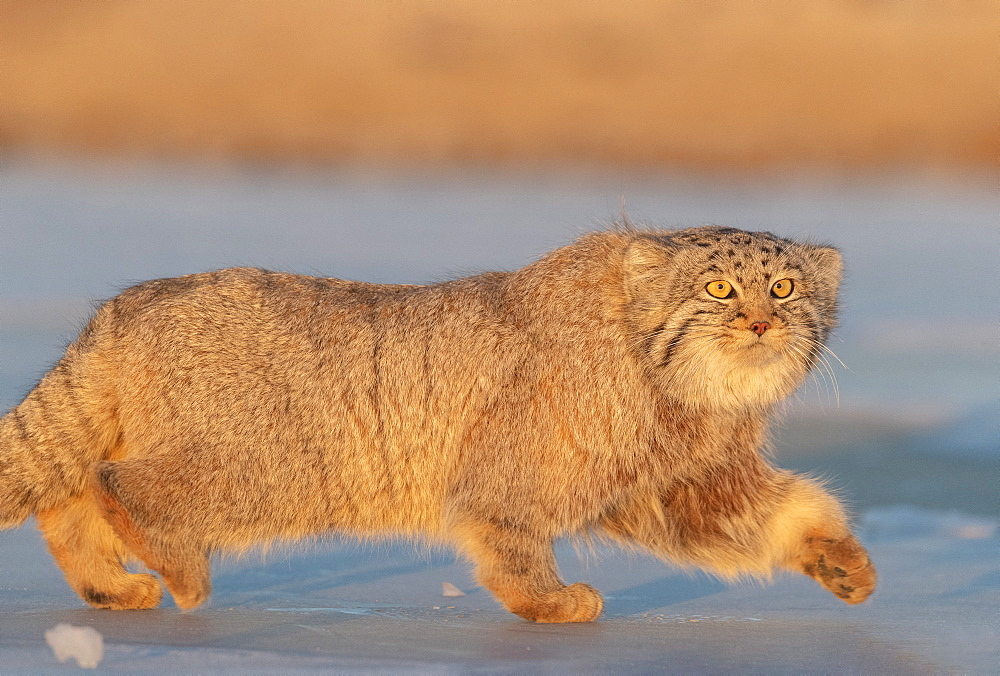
{"x":598,"y":390}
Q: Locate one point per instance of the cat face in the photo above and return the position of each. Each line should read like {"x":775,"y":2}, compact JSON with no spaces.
{"x":728,"y":319}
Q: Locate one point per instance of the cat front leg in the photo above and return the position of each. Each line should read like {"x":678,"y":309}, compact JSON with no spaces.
{"x":780,"y":519}
{"x":518,"y":566}
{"x":736,"y":522}
{"x":821,"y":545}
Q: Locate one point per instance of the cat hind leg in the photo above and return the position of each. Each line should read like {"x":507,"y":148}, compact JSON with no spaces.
{"x":90,"y":556}
{"x":129,"y":501}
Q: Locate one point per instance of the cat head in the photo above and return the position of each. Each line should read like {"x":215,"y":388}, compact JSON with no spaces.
{"x":728,"y":319}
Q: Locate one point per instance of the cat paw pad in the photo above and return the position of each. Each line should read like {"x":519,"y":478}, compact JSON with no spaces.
{"x":842,"y":567}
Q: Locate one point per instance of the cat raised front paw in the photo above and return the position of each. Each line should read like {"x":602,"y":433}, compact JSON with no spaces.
{"x":841,"y":565}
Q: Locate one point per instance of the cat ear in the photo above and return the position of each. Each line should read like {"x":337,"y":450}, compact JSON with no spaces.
{"x":829,"y":262}
{"x":646,"y":262}
{"x":645,"y":253}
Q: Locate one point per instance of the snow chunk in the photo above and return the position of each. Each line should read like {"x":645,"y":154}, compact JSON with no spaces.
{"x":85,"y":644}
{"x":906,"y":521}
{"x":448,"y":589}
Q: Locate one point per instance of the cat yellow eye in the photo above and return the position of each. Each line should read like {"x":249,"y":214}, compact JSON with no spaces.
{"x":719,"y":289}
{"x":782,"y":288}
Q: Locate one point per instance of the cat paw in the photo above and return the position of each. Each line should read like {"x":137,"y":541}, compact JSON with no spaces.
{"x":188,"y":593}
{"x":578,"y":602}
{"x":137,"y":592}
{"x":842,"y":566}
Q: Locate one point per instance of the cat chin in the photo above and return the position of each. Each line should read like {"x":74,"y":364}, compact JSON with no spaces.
{"x":759,"y":356}
{"x":737,"y":379}
{"x":750,"y":384}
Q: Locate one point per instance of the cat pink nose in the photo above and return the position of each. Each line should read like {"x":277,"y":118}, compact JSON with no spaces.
{"x":760,"y":327}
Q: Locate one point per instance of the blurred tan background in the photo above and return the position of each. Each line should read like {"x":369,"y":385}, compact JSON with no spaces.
{"x":716,"y":85}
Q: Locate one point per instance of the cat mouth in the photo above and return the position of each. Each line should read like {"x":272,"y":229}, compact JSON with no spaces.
{"x":762,"y":349}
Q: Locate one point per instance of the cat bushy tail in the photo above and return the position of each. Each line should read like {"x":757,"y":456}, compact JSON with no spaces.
{"x":50,"y":442}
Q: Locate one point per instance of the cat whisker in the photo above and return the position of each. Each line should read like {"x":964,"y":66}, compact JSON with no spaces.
{"x":826,"y":348}
{"x":823,"y":371}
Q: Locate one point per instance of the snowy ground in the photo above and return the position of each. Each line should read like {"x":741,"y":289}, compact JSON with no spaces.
{"x":912,"y":444}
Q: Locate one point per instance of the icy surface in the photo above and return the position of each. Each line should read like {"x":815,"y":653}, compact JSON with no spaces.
{"x":348,"y":607}
{"x":83,"y":644}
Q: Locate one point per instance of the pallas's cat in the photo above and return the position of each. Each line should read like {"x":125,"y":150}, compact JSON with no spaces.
{"x":618,"y":387}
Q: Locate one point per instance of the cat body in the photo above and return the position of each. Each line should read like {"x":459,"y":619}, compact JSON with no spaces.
{"x":605,"y":389}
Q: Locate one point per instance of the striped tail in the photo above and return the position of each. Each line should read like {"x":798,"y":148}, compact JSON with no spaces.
{"x":49,"y":445}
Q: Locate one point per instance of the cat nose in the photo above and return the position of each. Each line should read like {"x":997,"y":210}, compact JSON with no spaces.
{"x":760,"y":327}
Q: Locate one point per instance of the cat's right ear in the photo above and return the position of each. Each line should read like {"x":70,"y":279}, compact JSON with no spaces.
{"x":647,"y":265}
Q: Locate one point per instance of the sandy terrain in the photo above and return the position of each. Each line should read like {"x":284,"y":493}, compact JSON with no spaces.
{"x":842,"y":83}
